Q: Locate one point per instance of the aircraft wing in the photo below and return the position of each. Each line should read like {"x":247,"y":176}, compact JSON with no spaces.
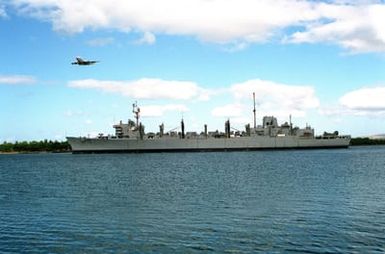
{"x":80,"y":61}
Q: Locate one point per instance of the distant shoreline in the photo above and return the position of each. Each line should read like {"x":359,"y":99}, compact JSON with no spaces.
{"x":38,"y":147}
{"x":28,"y":152}
{"x":9,"y":152}
{"x":44,"y":146}
{"x":366,"y":142}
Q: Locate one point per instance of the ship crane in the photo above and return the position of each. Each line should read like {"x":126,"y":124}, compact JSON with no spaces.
{"x":235,"y":129}
{"x":173,"y":129}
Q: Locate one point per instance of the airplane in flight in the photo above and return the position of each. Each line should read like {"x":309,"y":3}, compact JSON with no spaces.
{"x":80,"y":61}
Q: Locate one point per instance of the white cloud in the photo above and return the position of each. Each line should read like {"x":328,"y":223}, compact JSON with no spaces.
{"x":365,"y":99}
{"x":272,"y":98}
{"x":355,"y":25}
{"x":341,"y":111}
{"x":16,"y":80}
{"x":148,"y":38}
{"x":229,"y":110}
{"x":275,"y":96}
{"x":160,"y":110}
{"x":214,"y":20}
{"x":100,"y":42}
{"x":146,"y":88}
{"x":356,"y":28}
{"x":280,"y":100}
{"x":2,"y":12}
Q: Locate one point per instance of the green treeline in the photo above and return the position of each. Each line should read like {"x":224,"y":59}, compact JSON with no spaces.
{"x":35,"y":146}
{"x":366,"y":141}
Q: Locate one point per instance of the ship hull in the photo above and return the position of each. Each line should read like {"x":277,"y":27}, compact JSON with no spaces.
{"x":95,"y":145}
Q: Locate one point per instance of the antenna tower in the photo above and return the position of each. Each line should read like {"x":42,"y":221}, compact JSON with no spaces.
{"x":255,"y":121}
{"x":136,"y":111}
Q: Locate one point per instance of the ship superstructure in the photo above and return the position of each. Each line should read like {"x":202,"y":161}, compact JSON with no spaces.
{"x":131,"y":137}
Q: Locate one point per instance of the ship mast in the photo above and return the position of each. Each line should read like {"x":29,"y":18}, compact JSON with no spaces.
{"x":255,"y":123}
{"x":136,"y":111}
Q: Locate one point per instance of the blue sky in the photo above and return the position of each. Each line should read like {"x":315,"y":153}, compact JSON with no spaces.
{"x":321,"y":62}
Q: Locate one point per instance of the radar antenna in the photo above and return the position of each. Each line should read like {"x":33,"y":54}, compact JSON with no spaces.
{"x":136,"y":111}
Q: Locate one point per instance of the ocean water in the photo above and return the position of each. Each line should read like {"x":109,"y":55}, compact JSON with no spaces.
{"x":314,"y":201}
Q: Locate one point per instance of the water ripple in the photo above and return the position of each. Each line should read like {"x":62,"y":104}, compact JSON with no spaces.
{"x":320,"y":201}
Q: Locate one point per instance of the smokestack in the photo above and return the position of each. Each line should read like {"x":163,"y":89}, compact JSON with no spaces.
{"x":291,"y":126}
{"x":227,"y":128}
{"x":141,"y":130}
{"x":247,"y":127}
{"x":161,"y":130}
{"x":206,"y":130}
{"x":182,"y":127}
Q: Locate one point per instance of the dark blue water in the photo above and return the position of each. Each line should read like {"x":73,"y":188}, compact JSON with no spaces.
{"x":318,"y":201}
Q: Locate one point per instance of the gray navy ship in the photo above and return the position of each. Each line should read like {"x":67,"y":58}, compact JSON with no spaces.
{"x":131,"y":137}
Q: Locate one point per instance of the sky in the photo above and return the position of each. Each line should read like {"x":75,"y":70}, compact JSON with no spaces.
{"x":322,"y":62}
